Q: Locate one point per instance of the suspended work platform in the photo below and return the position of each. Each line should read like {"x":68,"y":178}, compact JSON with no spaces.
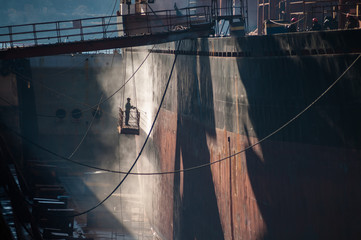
{"x":100,"y":33}
{"x":130,"y":125}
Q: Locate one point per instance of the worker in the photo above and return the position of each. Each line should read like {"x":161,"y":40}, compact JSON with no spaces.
{"x":292,"y":27}
{"x":351,"y":22}
{"x":315,"y":25}
{"x":128,"y":107}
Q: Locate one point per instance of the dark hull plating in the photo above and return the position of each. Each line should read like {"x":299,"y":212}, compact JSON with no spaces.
{"x":227,"y":94}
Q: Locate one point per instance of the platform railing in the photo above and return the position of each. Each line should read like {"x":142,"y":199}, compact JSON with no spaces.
{"x":96,"y":28}
{"x":335,"y":13}
{"x":225,"y":15}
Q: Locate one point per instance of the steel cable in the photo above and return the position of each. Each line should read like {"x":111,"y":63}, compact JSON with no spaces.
{"x":144,"y":144}
{"x":94,"y":107}
{"x":203,"y":165}
{"x":86,"y":132}
{"x":105,"y":100}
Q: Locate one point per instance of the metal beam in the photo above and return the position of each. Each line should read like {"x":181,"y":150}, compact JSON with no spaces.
{"x":110,"y":43}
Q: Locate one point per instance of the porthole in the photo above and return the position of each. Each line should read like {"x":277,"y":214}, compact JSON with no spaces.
{"x":76,"y":113}
{"x":60,"y":113}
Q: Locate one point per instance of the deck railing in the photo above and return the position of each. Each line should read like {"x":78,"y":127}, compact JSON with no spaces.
{"x":103,"y":27}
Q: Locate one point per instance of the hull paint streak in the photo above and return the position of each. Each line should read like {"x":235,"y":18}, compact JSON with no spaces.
{"x":302,"y":183}
{"x":225,"y":95}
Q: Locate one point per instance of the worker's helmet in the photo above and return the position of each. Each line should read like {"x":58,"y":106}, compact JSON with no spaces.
{"x":314,"y":20}
{"x":294,"y":20}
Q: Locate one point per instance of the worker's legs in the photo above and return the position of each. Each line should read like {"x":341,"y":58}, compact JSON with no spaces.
{"x":127,"y":119}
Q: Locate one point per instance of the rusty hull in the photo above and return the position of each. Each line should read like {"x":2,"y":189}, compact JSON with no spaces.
{"x":301,"y":183}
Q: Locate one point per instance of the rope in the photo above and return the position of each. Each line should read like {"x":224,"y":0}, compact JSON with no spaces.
{"x":134,"y":87}
{"x":86,"y":133}
{"x":55,"y":154}
{"x":199,"y":166}
{"x":75,"y":100}
{"x":91,"y":123}
{"x":115,"y":4}
{"x":266,"y":137}
{"x":58,"y":155}
{"x":144,"y":144}
{"x":123,"y":84}
{"x":94,"y":107}
{"x":263,"y":139}
{"x":59,"y":94}
{"x":122,"y":94}
{"x":111,"y":15}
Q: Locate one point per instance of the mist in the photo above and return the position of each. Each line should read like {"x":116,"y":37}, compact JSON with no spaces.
{"x":132,"y":195}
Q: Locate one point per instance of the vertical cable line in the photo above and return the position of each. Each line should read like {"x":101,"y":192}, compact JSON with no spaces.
{"x":134,"y":87}
{"x":111,"y":15}
{"x":130,"y":78}
{"x":144,"y":144}
{"x":86,"y":132}
{"x":90,"y":107}
{"x":115,"y":4}
{"x":203,"y":165}
{"x":91,"y":123}
{"x":206,"y":164}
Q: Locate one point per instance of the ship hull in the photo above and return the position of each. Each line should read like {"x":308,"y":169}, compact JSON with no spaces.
{"x":301,"y":182}
{"x":247,"y":158}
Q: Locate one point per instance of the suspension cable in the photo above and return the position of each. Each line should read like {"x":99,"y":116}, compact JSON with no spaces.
{"x":222,"y":159}
{"x":199,"y":166}
{"x":91,"y":107}
{"x":91,"y":123}
{"x":115,"y":4}
{"x":134,"y":87}
{"x":59,"y":94}
{"x":86,"y":132}
{"x":145,"y":142}
{"x":130,"y":78}
{"x":266,"y":137}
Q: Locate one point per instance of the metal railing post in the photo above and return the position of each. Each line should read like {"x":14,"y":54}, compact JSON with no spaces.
{"x":104,"y":27}
{"x":148,"y":25}
{"x":58,"y":32}
{"x":35,"y":37}
{"x":81,"y":31}
{"x":11,"y":36}
{"x":170,"y":20}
